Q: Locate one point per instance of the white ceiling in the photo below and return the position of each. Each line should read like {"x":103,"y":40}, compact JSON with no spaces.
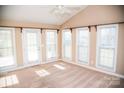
{"x":40,"y":14}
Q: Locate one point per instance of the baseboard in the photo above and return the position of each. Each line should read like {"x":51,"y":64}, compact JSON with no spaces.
{"x":85,"y":66}
{"x":48,"y":61}
{"x":17,"y":68}
{"x":25,"y":66}
{"x":95,"y":69}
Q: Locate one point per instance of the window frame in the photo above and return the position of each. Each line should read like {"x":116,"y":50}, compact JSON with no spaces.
{"x":66,"y":59}
{"x":115,"y":47}
{"x":77,"y":31}
{"x":7,"y":68}
{"x":51,"y":59}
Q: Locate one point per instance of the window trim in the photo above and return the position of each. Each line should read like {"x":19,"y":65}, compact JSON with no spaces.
{"x":7,"y":68}
{"x":77,"y":29}
{"x":66,"y":59}
{"x":116,"y":47}
{"x":51,"y":59}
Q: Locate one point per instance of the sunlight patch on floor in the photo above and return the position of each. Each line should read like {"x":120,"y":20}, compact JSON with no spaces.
{"x":8,"y":81}
{"x":42,"y":73}
{"x":59,"y":67}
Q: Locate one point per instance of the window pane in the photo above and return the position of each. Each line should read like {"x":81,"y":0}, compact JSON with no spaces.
{"x":108,"y":37}
{"x":83,"y":37}
{"x":51,"y":51}
{"x":5,"y":38}
{"x":106,"y":57}
{"x":83,"y":54}
{"x":32,"y":53}
{"x":6,"y":48}
{"x":67,"y":51}
{"x":31,"y":38}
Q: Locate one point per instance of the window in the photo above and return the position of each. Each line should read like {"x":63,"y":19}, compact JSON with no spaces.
{"x":83,"y":45}
{"x":67,"y":44}
{"x":51,"y":44}
{"x":7,"y":48}
{"x":31,"y":46}
{"x":106,"y":46}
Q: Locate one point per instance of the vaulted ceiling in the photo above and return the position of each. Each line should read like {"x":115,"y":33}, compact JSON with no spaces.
{"x":46,"y":14}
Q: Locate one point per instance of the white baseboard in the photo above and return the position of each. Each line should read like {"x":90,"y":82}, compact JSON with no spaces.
{"x":85,"y":66}
{"x":18,"y":67}
{"x":53,"y":60}
{"x":25,"y":66}
{"x":92,"y":68}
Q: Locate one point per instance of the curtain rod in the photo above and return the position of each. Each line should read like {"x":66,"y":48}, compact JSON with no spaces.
{"x":30,"y":27}
{"x":95,"y":25}
{"x":65,"y":28}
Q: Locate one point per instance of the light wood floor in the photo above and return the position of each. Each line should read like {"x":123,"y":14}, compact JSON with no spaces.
{"x":58,"y":75}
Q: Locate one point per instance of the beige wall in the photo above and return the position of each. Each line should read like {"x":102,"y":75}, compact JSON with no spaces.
{"x":27,"y":24}
{"x":93,"y":36}
{"x":120,"y":54}
{"x":18,"y":40}
{"x":94,"y":15}
{"x":74,"y":45}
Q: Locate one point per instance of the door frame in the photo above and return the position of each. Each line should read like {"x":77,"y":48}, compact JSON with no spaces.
{"x":24,"y":30}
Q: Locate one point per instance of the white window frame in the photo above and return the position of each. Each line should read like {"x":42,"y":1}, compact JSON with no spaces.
{"x":25,"y":63}
{"x":7,"y":68}
{"x":52,"y":59}
{"x":66,"y":59}
{"x":77,"y":29}
{"x":116,"y":45}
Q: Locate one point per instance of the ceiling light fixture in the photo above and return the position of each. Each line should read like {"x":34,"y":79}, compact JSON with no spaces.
{"x":62,"y":11}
